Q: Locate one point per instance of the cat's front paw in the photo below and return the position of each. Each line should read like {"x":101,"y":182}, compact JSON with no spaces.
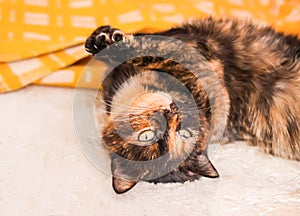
{"x":103,"y":37}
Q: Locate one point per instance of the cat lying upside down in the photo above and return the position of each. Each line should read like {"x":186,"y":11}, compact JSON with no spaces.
{"x":156,"y":133}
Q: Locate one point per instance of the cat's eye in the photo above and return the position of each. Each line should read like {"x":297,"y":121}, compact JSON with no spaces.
{"x":146,"y":136}
{"x":117,"y":36}
{"x":185,"y":133}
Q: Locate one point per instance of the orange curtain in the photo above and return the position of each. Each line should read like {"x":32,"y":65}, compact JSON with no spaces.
{"x":41,"y":41}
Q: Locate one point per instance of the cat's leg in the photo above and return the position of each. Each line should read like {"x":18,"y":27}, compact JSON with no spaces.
{"x":103,"y":37}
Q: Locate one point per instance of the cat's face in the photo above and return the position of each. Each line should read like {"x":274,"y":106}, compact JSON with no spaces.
{"x":149,"y":126}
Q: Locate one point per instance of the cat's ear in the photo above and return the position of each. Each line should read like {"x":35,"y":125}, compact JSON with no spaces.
{"x":122,"y":185}
{"x":206,"y":168}
{"x":121,"y":181}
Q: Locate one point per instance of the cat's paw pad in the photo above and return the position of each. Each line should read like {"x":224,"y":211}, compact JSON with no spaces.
{"x":117,"y":36}
{"x":103,"y":37}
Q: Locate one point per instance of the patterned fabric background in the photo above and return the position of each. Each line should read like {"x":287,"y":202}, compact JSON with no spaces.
{"x":41,"y":41}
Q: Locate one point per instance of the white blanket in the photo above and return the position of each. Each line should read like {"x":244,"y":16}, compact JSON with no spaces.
{"x":43,"y":171}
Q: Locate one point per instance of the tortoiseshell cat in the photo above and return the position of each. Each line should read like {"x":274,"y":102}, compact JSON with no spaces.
{"x":259,"y":74}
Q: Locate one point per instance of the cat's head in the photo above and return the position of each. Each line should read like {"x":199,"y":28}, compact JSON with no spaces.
{"x":154,"y":134}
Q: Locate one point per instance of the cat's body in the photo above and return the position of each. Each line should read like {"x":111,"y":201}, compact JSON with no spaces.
{"x":259,"y":74}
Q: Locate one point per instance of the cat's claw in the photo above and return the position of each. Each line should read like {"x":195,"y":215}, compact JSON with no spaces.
{"x":103,"y":37}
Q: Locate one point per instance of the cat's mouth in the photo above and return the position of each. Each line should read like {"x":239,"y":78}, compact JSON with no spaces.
{"x":151,"y":100}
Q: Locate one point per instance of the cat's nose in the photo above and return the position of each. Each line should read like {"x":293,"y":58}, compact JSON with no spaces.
{"x":173,"y":117}
{"x":172,"y":110}
{"x":173,"y":107}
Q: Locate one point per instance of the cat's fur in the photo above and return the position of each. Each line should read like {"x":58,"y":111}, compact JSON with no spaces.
{"x":259,"y":73}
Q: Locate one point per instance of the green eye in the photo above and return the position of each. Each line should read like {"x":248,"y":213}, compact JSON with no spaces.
{"x":185,"y":133}
{"x":147,"y":135}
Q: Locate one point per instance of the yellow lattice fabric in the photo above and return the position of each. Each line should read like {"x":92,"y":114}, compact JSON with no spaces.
{"x":41,"y":41}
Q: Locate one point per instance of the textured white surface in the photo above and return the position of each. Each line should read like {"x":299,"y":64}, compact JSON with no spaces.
{"x":43,"y":172}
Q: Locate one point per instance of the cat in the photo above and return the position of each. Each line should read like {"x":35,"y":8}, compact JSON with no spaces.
{"x":257,"y":97}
